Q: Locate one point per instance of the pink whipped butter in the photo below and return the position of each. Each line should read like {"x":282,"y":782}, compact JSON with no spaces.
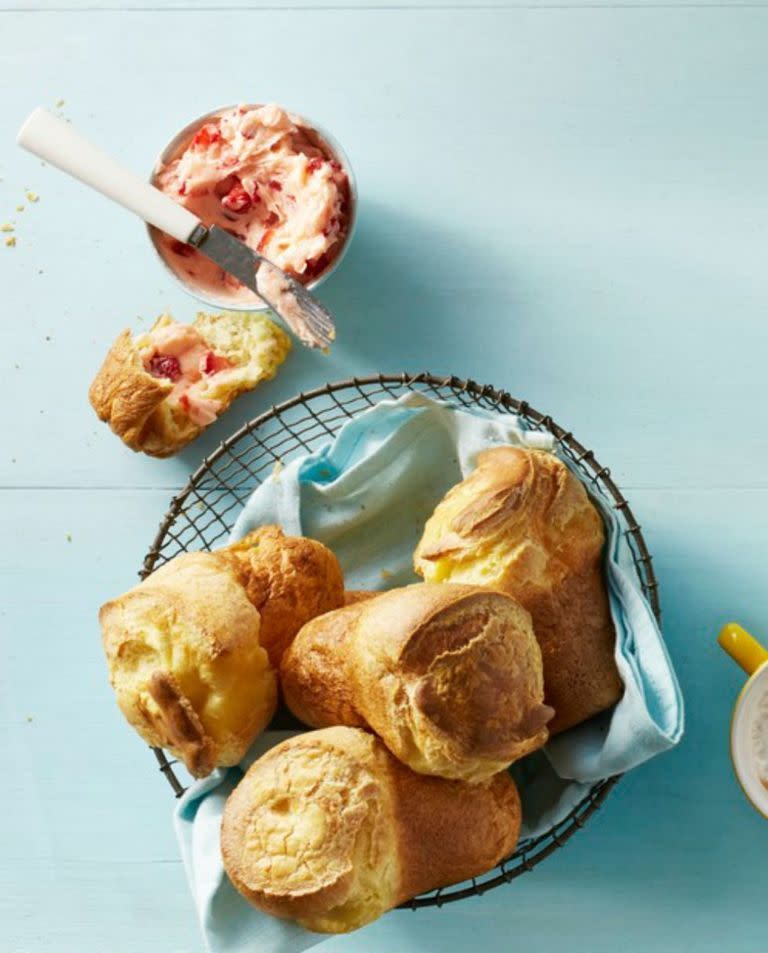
{"x":178,"y":353}
{"x":270,"y":181}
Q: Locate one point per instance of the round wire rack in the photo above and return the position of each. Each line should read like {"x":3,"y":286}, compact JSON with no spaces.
{"x":203,"y":513}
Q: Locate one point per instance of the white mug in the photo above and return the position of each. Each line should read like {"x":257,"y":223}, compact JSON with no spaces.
{"x":749,"y":722}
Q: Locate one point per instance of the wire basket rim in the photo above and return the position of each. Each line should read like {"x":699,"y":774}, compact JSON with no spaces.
{"x":540,"y":847}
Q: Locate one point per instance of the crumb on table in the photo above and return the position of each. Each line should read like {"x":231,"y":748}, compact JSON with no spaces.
{"x":11,"y":242}
{"x":32,"y":196}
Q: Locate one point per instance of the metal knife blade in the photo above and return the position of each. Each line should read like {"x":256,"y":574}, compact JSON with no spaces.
{"x":309,"y":320}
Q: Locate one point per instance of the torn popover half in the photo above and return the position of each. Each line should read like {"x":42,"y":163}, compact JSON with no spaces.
{"x":158,"y":391}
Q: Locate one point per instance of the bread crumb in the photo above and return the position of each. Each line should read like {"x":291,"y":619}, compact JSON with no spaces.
{"x":68,"y":537}
{"x":277,"y":469}
{"x":19,"y":208}
{"x":32,"y":197}
{"x":60,"y":103}
{"x":29,"y":719}
{"x":11,"y":242}
{"x":6,"y":227}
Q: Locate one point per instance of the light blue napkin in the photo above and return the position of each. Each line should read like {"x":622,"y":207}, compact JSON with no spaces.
{"x":367,"y":495}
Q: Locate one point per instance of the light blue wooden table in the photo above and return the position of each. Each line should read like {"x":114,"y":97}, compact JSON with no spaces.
{"x":565,"y":200}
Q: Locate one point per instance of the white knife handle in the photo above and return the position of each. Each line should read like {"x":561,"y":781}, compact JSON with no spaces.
{"x":56,"y":142}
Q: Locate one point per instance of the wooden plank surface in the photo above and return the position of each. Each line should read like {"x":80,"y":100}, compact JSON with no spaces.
{"x":566,"y":201}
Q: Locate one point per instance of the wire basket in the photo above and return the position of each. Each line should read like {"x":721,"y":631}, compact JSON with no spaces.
{"x":201,"y":516}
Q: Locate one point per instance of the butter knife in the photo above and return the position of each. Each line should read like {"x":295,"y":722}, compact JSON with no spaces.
{"x":55,"y":141}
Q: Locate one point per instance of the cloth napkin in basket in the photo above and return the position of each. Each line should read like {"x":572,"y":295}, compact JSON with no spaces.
{"x":367,"y":495}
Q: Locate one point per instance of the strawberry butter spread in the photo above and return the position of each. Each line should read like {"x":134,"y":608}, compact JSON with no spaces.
{"x":270,"y":181}
{"x":179,"y":353}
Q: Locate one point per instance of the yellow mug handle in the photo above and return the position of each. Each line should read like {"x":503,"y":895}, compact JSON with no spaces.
{"x":743,"y":648}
